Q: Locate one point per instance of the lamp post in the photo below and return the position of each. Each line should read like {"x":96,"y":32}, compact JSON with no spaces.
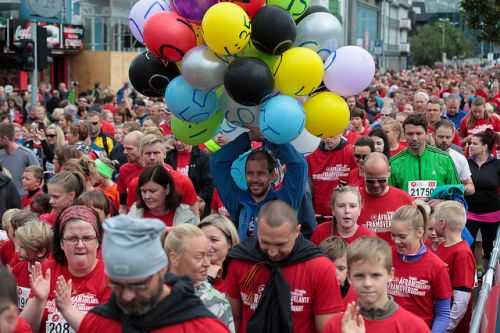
{"x":443,"y":22}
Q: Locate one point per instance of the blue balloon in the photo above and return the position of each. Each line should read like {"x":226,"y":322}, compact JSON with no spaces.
{"x":282,"y":119}
{"x":188,"y":103}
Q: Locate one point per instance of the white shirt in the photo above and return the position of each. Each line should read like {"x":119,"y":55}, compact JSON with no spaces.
{"x":461,"y":164}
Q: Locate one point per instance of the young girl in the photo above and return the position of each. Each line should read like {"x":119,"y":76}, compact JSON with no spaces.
{"x":32,"y":183}
{"x":97,"y":200}
{"x":346,"y":207}
{"x":33,"y":243}
{"x":421,"y":282}
{"x":63,"y":190}
{"x":335,"y":249}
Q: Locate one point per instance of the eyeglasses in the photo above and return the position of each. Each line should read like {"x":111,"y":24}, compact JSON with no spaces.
{"x":359,"y":156}
{"x":136,"y":286}
{"x":51,"y":135}
{"x":376,"y":180}
{"x":74,"y":240}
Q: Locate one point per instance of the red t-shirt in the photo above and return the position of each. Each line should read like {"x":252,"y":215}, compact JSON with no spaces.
{"x":27,"y":199}
{"x":326,"y":170}
{"x":417,"y":284}
{"x":401,"y":321}
{"x":461,"y":264}
{"x":351,"y":296}
{"x":324,"y":230}
{"x":22,"y":275}
{"x":217,"y":206}
{"x":88,"y":291}
{"x":168,"y":218}
{"x":165,"y":126}
{"x":402,"y":146}
{"x":183,"y":159}
{"x":127,"y":172}
{"x":313,"y":286}
{"x":377,"y":211}
{"x":111,"y":192}
{"x":22,"y":326}
{"x":355,"y":179}
{"x":8,"y":254}
{"x":108,"y":128}
{"x":95,"y":323}
{"x":352,"y":136}
{"x":50,"y":218}
{"x":493,"y":122}
{"x":183,"y":186}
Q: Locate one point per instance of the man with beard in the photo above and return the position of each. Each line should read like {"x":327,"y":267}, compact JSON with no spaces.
{"x":278,"y":282}
{"x":443,"y":137}
{"x":380,"y":200}
{"x":421,"y":168}
{"x":144,"y":298}
{"x":259,"y":173}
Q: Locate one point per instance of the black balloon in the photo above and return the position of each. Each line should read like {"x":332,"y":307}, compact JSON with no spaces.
{"x":311,"y":10}
{"x":273,"y":30}
{"x":150,"y":75}
{"x":248,"y":81}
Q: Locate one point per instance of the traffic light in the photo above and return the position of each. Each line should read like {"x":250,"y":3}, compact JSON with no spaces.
{"x":25,"y":54}
{"x":42,"y":49}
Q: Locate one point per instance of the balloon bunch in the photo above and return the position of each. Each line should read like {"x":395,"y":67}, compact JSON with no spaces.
{"x":276,"y":65}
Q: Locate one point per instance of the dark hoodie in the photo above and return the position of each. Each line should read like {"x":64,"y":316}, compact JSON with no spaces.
{"x":9,"y":197}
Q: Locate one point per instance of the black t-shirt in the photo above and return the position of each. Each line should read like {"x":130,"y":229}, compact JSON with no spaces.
{"x":486,"y":180}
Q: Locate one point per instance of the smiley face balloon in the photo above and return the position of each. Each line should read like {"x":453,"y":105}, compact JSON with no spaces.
{"x":195,"y":134}
{"x":295,"y":7}
{"x":226,"y":28}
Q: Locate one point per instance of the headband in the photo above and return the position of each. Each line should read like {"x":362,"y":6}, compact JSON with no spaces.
{"x":82,"y":213}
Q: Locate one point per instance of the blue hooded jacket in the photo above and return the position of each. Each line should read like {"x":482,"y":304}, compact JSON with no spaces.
{"x":239,"y":203}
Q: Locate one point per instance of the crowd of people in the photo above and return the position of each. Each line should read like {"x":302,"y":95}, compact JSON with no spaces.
{"x":111,"y":224}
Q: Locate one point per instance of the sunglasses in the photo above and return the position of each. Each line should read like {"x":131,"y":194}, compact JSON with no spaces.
{"x":376,"y":180}
{"x":51,"y":135}
{"x":95,"y":124}
{"x":359,"y":156}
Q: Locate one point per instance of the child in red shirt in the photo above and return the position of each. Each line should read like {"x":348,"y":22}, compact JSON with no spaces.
{"x":449,"y":220}
{"x":33,"y":242}
{"x":357,"y":129}
{"x":10,"y":321}
{"x":421,"y":283}
{"x":32,"y":183}
{"x":346,"y":208}
{"x":105,"y":170}
{"x":335,"y":249}
{"x":370,"y":269}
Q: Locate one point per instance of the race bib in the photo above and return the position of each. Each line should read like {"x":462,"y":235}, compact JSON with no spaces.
{"x":23,"y":294}
{"x":421,"y":189}
{"x":57,"y":324}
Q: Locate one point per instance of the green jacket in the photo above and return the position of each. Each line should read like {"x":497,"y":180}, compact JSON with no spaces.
{"x":434,"y":165}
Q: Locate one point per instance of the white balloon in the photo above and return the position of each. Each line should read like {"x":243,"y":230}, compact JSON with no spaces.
{"x":230,"y":131}
{"x":306,"y":143}
{"x":238,"y":114}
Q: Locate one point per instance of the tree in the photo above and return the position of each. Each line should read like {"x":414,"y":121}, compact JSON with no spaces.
{"x":482,"y":15}
{"x":428,"y":44}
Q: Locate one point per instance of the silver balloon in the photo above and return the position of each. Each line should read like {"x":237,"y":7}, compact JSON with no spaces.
{"x":202,"y":69}
{"x":320,"y":32}
{"x":238,"y":114}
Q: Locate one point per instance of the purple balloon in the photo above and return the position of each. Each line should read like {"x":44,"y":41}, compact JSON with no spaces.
{"x":193,"y":10}
{"x":141,"y":11}
{"x":349,"y":70}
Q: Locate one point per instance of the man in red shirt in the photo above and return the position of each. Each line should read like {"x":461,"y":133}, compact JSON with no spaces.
{"x":153,"y":152}
{"x":449,"y":221}
{"x":329,"y":166}
{"x":380,"y":200}
{"x":132,"y":168}
{"x":144,"y":298}
{"x":280,"y":282}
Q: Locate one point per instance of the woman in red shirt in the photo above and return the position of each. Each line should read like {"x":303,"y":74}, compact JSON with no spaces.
{"x":77,"y":239}
{"x":478,"y":120}
{"x":157,"y":198}
{"x":346,"y":207}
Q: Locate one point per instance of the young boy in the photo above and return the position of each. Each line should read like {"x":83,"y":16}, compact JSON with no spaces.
{"x":357,"y":128}
{"x":32,"y":183}
{"x":33,"y":242}
{"x":7,"y":249}
{"x":335,"y":248}
{"x":369,"y":262}
{"x":449,"y":220}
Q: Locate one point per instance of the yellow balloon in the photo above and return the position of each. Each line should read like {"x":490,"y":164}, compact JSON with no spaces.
{"x":298,"y":72}
{"x":226,"y":28}
{"x":327,"y":114}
